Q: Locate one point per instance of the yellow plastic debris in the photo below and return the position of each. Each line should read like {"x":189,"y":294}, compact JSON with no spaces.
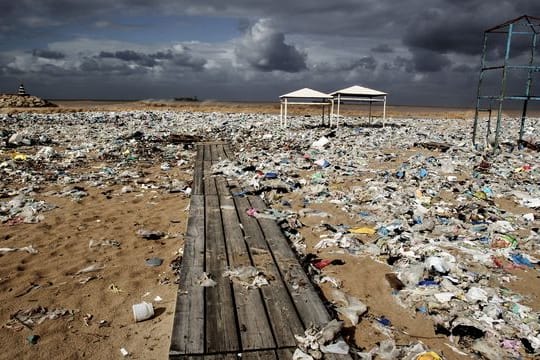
{"x":363,"y":230}
{"x":19,"y":157}
{"x":428,"y":355}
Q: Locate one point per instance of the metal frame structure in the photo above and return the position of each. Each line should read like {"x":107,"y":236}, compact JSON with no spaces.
{"x":524,"y":26}
{"x":359,"y":94}
{"x":304,"y":96}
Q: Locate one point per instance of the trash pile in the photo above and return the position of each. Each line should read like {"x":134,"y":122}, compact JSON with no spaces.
{"x":454,"y":223}
{"x":451,"y":221}
{"x":37,"y":150}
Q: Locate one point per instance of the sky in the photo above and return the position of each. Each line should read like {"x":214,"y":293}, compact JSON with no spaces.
{"x":420,"y":52}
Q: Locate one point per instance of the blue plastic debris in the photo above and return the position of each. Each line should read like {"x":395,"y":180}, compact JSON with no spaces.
{"x":384,"y":321}
{"x":422,"y":173}
{"x":519,"y":259}
{"x":428,"y":283}
{"x":270,"y":175}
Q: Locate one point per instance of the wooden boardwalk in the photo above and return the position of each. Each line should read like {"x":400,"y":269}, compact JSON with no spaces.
{"x":228,"y":319}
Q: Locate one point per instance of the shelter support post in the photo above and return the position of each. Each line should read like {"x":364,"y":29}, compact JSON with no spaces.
{"x":281,"y":113}
{"x":338,"y":105}
{"x":285,"y":113}
{"x":384,"y":112}
{"x":331,"y":112}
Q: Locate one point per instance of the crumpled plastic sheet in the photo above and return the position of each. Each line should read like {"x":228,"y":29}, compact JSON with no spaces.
{"x":248,"y":276}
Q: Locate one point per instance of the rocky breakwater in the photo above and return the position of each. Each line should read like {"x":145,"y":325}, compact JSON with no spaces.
{"x":15,"y":101}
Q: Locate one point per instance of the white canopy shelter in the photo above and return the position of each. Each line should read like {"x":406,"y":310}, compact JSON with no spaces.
{"x":305,"y":96}
{"x":359,"y":94}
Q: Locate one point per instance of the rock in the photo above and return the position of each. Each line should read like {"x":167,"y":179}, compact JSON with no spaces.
{"x":10,"y":100}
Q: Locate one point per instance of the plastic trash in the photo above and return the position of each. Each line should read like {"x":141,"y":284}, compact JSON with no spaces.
{"x":206,"y":281}
{"x":154,"y":261}
{"x":363,"y":230}
{"x":339,"y":347}
{"x":142,"y":311}
{"x":428,"y":355}
{"x":33,"y":339}
{"x":520,"y":259}
{"x":90,"y":268}
{"x":350,"y":307}
{"x":437,"y":264}
{"x":323,"y":163}
{"x":319,"y":144}
{"x":150,"y":234}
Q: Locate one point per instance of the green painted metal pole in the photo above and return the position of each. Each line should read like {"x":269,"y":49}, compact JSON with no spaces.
{"x":503,"y":88}
{"x":482,"y":63}
{"x":527,"y":89}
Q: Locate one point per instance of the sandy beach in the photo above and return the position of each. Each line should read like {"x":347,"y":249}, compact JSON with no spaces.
{"x":111,"y":172}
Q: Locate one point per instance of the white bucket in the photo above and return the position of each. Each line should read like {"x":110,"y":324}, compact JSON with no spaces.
{"x":143,"y":311}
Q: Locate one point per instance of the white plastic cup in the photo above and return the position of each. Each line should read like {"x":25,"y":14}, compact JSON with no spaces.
{"x":143,"y":311}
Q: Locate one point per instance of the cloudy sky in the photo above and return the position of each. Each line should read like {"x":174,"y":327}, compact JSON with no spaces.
{"x":420,"y":52}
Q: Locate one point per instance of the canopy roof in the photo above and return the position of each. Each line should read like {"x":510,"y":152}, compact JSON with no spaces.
{"x":306,"y":93}
{"x":358,"y":91}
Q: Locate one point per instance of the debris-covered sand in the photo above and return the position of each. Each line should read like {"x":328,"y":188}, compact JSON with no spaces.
{"x":439,"y":241}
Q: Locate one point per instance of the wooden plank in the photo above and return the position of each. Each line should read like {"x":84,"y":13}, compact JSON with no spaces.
{"x":215,"y":155}
{"x":228,"y":151}
{"x":255,"y":331}
{"x":209,"y":181}
{"x":286,"y":353}
{"x":306,"y":299}
{"x":281,"y":311}
{"x":188,"y":328}
{"x":207,"y":153}
{"x":197,"y":186}
{"x":221,"y":324}
{"x":261,"y":355}
{"x":222,"y":186}
{"x":221,"y":357}
{"x":220,"y":152}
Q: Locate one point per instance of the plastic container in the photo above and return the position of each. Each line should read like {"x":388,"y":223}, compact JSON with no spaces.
{"x":143,"y":311}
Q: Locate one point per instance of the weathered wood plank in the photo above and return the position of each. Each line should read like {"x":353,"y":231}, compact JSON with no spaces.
{"x":220,"y":154}
{"x":228,"y":151}
{"x":215,"y":155}
{"x":286,"y":353}
{"x":209,"y":179}
{"x":306,"y":299}
{"x":188,"y":328}
{"x":260,"y":355}
{"x":207,"y":153}
{"x":222,"y":186}
{"x":255,"y":331}
{"x":282,"y":314}
{"x":197,"y":185}
{"x":221,"y":324}
{"x":221,"y":357}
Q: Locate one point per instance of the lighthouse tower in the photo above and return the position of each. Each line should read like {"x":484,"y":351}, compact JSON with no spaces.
{"x":21,"y":90}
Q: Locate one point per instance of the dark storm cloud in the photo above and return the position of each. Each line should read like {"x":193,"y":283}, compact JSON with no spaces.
{"x":367,"y":63}
{"x":382,"y":48}
{"x":264,"y":49}
{"x":48,"y":54}
{"x":130,"y":56}
{"x":428,"y":43}
{"x":429,"y":61}
{"x":169,"y":57}
{"x":108,"y":68}
{"x":400,"y":64}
